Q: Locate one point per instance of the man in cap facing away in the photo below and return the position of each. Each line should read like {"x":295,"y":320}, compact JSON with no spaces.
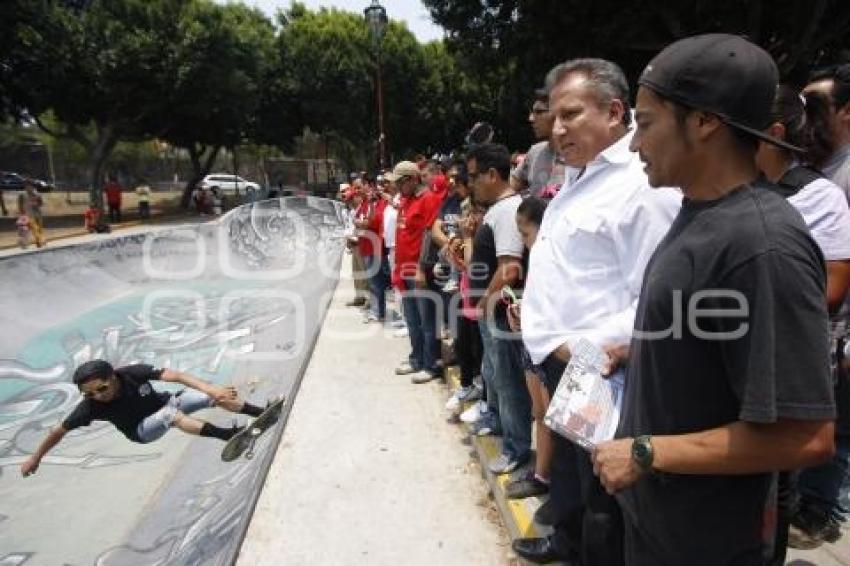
{"x":420,"y":297}
{"x":727,"y":378}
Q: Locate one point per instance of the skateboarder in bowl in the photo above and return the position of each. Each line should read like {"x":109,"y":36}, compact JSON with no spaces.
{"x":126,"y":398}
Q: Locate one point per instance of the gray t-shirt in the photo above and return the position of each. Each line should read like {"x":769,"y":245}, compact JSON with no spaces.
{"x":837,"y":169}
{"x":542,"y":170}
{"x":769,"y":364}
{"x":827,"y":215}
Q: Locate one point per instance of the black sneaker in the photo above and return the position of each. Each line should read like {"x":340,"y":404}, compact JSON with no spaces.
{"x":545,"y":514}
{"x":808,"y":528}
{"x":233,"y":431}
{"x":832,"y":532}
{"x":528,"y":486}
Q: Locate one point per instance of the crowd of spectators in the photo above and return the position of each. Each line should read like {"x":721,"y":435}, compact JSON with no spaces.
{"x":701,"y":238}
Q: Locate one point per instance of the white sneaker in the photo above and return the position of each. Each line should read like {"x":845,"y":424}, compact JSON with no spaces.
{"x":460,"y":395}
{"x":471,"y":393}
{"x":404,"y":368}
{"x":503,"y":465}
{"x":401,"y":333}
{"x":473,"y":413}
{"x":422,"y":377}
{"x":370,"y":317}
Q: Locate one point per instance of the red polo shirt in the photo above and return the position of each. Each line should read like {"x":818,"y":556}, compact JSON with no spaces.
{"x":113,"y":193}
{"x":440,"y":185}
{"x":416,"y":215}
{"x":366,"y":243}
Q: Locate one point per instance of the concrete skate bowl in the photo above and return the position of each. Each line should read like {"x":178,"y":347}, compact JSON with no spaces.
{"x":239,"y":301}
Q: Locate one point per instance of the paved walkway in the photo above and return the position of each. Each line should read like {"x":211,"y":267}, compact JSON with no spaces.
{"x":368,"y":471}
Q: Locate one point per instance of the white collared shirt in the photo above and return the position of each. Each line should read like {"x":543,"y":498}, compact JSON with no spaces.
{"x":586,"y":266}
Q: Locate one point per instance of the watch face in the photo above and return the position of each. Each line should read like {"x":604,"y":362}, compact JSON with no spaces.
{"x":642,"y":452}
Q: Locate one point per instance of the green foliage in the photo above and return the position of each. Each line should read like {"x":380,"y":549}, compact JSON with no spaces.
{"x":513,"y":43}
{"x":219,"y":67}
{"x":330,"y":59}
{"x":205,"y":76}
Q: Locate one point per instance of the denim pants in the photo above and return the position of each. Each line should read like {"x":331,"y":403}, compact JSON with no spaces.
{"x":511,"y":391}
{"x":820,"y":486}
{"x":420,"y":315}
{"x":488,"y":367}
{"x":187,"y":401}
{"x":379,"y":280}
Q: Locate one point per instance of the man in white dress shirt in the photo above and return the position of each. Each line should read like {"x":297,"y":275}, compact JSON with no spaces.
{"x":584,"y":280}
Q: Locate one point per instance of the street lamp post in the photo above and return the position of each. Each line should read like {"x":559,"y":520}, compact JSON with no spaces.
{"x":376,"y":18}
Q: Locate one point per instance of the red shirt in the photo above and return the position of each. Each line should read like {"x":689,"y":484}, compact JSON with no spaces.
{"x":415,"y":216}
{"x":366,"y":243}
{"x":91,"y":215}
{"x":440,"y":185}
{"x":113,"y":193}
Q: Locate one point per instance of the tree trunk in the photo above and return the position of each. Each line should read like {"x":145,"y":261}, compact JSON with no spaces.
{"x":200,"y":168}
{"x":100,"y":152}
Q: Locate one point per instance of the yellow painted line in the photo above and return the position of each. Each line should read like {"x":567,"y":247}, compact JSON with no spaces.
{"x":490,"y":449}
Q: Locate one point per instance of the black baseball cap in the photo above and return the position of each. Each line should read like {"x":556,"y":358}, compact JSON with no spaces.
{"x":719,"y":73}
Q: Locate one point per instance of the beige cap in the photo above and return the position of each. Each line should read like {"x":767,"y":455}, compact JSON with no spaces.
{"x":403,"y":169}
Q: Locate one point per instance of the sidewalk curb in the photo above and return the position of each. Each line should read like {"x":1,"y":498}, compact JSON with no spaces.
{"x":517,"y":514}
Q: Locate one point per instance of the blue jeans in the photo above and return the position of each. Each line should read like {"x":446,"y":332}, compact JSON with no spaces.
{"x":512,"y":393}
{"x":488,"y":367}
{"x":379,"y":281}
{"x":820,"y":486}
{"x":187,"y":401}
{"x":420,"y":314}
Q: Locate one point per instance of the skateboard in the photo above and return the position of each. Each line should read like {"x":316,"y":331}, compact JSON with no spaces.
{"x":243,"y":442}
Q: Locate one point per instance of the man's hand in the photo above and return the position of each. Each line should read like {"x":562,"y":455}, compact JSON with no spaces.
{"x":420,"y":279}
{"x":514,"y":320}
{"x":30,"y":466}
{"x":614,"y":465}
{"x":221,"y":394}
{"x":617,"y":357}
{"x":454,"y":253}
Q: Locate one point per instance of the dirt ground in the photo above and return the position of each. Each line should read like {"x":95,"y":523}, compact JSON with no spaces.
{"x":63,"y":214}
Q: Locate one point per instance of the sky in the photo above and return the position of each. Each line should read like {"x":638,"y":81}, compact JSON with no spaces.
{"x":411,"y":11}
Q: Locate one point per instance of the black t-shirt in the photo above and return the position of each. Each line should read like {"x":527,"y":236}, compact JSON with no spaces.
{"x":450,"y":214}
{"x":136,"y":401}
{"x":484,"y":260}
{"x":753,"y":247}
{"x":497,"y":235}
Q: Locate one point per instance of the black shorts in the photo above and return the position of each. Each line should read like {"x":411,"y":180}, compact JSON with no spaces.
{"x":552,"y":371}
{"x":530,"y":366}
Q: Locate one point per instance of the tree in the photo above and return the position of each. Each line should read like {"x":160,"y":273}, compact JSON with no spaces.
{"x":221,"y":73}
{"x":330,"y":60}
{"x":515,"y":42}
{"x":101,"y":70}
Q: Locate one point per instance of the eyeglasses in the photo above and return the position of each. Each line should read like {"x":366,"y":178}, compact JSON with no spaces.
{"x":474,"y":175}
{"x":100,"y":389}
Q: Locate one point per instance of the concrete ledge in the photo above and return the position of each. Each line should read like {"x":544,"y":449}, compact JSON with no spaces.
{"x":517,"y":514}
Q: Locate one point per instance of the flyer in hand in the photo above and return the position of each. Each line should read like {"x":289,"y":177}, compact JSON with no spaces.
{"x":586,"y":407}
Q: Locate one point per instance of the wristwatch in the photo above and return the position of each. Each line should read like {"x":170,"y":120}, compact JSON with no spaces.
{"x":642,"y":452}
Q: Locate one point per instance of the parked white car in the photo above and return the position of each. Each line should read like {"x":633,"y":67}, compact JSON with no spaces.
{"x":228,"y":183}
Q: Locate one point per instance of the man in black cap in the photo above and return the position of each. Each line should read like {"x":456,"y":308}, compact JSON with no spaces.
{"x":728,"y":377}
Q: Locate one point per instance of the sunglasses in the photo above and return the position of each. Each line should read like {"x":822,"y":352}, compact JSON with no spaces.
{"x":100,"y":389}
